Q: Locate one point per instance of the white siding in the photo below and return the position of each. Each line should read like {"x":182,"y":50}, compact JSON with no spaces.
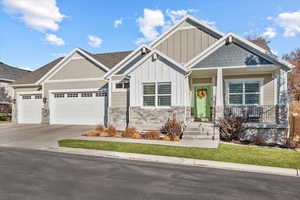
{"x":156,"y":71}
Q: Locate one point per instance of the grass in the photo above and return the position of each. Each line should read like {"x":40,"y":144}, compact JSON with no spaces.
{"x":225,"y":152}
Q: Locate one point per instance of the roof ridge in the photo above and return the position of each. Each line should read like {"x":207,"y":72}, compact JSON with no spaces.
{"x":6,"y":65}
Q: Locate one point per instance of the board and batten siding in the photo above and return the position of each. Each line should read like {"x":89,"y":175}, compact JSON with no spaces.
{"x":157,"y":71}
{"x":185,"y":44}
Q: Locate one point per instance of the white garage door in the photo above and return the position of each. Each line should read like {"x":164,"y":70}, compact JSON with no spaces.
{"x":82,"y":108}
{"x":30,"y":108}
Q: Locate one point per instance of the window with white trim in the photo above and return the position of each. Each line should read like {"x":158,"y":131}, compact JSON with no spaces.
{"x":244,"y":92}
{"x":157,"y":94}
{"x":59,"y":95}
{"x":121,"y":85}
{"x":87,"y":94}
{"x":72,"y":95}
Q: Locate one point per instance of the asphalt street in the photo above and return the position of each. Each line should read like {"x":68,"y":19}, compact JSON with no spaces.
{"x":32,"y":174}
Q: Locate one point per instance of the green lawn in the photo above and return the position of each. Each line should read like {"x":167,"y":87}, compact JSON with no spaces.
{"x":226,"y":153}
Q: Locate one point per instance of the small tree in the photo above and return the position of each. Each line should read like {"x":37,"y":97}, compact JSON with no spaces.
{"x":172,"y":128}
{"x":259,"y":41}
{"x":294,"y":75}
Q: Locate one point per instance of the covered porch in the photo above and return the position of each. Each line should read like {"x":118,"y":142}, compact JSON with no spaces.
{"x":254,"y":93}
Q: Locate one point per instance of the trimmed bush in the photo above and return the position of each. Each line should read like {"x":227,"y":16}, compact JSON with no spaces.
{"x":172,"y":128}
{"x":111,"y":131}
{"x":166,"y":138}
{"x":100,"y":128}
{"x":152,"y":135}
{"x":136,"y":136}
{"x":129,"y":131}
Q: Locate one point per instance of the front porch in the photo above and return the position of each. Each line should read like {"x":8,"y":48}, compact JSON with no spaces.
{"x":252,"y":93}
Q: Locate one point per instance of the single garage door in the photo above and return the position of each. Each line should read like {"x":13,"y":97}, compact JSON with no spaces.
{"x":30,"y":108}
{"x":82,"y":108}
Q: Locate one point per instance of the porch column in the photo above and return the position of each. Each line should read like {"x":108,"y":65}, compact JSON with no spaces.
{"x":219,"y":94}
{"x":282,"y":97}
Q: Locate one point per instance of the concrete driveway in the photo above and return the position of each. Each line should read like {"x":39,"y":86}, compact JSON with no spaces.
{"x":38,"y":136}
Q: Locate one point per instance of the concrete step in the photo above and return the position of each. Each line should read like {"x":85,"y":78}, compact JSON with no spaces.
{"x":199,"y":137}
{"x":198,"y":133}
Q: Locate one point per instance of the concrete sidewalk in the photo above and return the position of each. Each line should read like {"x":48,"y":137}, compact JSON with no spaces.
{"x":180,"y":161}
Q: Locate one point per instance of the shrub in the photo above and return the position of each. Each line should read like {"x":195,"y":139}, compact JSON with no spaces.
{"x":166,"y":138}
{"x":136,"y":135}
{"x":129,"y":131}
{"x":111,"y":131}
{"x":259,"y":141}
{"x":91,"y":133}
{"x":4,"y":117}
{"x":100,"y":128}
{"x":172,"y":128}
{"x":103,"y":134}
{"x":176,"y":139}
{"x":231,"y":127}
{"x":152,"y":135}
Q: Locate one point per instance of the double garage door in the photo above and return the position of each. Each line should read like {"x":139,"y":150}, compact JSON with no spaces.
{"x":81,"y":108}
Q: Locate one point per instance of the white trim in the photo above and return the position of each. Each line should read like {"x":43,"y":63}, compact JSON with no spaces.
{"x":243,"y":80}
{"x":75,"y":80}
{"x":232,"y":67}
{"x":156,"y":95}
{"x":125,"y":61}
{"x":172,"y":29}
{"x":148,"y":56}
{"x":114,"y":82}
{"x":65,"y":60}
{"x":25,"y":85}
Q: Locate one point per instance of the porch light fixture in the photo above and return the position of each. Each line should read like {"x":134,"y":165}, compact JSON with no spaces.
{"x":45,"y":100}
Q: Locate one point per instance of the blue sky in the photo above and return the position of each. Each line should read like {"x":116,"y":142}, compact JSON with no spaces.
{"x":36,"y":32}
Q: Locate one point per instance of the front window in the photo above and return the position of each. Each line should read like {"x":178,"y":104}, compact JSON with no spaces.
{"x":244,"y":92}
{"x":157,"y":94}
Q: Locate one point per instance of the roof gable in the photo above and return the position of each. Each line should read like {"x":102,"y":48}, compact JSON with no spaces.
{"x":232,"y":55}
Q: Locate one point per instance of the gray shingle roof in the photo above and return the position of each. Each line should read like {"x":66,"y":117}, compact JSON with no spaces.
{"x":108,"y":59}
{"x":11,"y":73}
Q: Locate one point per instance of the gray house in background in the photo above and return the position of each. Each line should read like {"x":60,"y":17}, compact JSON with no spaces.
{"x":192,"y":70}
{"x":8,"y":75}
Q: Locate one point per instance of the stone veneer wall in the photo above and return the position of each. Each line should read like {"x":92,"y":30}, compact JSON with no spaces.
{"x":154,"y":118}
{"x":118,"y":117}
{"x":271,"y":133}
{"x":45,"y":113}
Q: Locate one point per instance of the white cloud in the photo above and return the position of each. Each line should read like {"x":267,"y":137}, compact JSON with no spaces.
{"x":94,"y":41}
{"x":176,"y":15}
{"x":269,"y":32}
{"x":118,"y":22}
{"x":53,"y":39}
{"x":149,"y":23}
{"x":154,"y":22}
{"x":290,"y":22}
{"x":40,"y":15}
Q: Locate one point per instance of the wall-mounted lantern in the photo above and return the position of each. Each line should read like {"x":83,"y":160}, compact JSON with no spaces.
{"x":45,"y":100}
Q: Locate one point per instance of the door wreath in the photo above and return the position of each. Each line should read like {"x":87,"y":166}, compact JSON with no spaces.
{"x":201,"y":93}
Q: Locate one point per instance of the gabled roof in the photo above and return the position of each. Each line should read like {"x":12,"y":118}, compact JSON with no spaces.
{"x":178,"y":65}
{"x":10,"y":73}
{"x":231,"y":37}
{"x":171,"y":30}
{"x":107,"y":59}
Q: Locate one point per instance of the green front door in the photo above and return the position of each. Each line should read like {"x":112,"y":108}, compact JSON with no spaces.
{"x":202,"y":101}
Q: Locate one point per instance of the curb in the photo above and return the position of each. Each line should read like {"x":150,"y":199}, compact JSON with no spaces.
{"x":180,"y":161}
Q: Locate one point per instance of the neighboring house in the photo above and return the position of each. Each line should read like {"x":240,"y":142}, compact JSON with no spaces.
{"x":8,"y":75}
{"x":193,"y":70}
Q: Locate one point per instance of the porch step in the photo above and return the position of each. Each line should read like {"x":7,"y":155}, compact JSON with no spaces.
{"x":200,"y":131}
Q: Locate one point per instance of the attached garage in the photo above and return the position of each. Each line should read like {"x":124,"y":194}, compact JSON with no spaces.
{"x":30,"y":108}
{"x":78,"y":107}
